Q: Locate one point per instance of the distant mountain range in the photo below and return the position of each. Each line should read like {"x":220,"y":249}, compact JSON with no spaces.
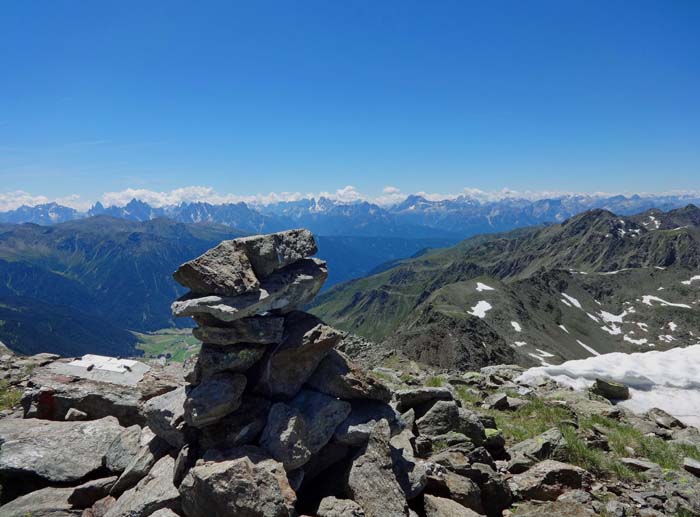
{"x":415,"y":217}
{"x":596,"y":283}
{"x":82,"y":284}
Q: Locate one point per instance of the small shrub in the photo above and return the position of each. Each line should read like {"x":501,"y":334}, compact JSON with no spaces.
{"x":434,"y":382}
{"x":9,"y":397}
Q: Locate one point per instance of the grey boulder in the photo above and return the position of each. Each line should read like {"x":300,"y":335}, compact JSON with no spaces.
{"x":363,"y":418}
{"x":287,"y":367}
{"x":214,"y":398}
{"x":224,"y":269}
{"x":371,"y":481}
{"x":165,"y":415}
{"x":242,"y":427}
{"x":549,"y":479}
{"x":421,"y":397}
{"x":243,"y":482}
{"x":57,"y":452}
{"x":303,"y":427}
{"x":154,"y":492}
{"x":333,"y":507}
{"x":441,"y":507}
{"x":610,"y":390}
{"x":268,"y":253}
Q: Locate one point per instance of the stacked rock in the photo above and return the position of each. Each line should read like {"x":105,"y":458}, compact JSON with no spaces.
{"x":267,"y":394}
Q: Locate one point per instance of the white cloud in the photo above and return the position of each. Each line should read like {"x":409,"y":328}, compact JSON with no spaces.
{"x":12,"y":200}
{"x":391,"y":190}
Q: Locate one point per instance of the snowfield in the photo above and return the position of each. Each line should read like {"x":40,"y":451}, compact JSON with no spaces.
{"x":668,"y":380}
{"x":480,"y":309}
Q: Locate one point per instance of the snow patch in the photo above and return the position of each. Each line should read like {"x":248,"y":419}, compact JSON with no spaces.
{"x":584,"y":345}
{"x":669,"y":380}
{"x":483,"y":287}
{"x":563,"y":328}
{"x":480,"y":309}
{"x":572,"y":300}
{"x":642,"y":341}
{"x":692,"y":279}
{"x":516,"y":326}
{"x":647,"y":299}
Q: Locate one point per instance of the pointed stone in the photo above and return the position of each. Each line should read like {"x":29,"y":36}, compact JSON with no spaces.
{"x":287,"y":367}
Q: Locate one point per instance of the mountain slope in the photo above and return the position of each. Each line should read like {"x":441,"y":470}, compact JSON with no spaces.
{"x":596,"y":283}
{"x":29,"y":326}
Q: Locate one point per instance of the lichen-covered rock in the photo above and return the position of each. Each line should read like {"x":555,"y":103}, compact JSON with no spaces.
{"x":549,"y":445}
{"x":417,"y":397}
{"x":410,"y":472}
{"x":460,"y":489}
{"x":121,"y":451}
{"x":610,"y":390}
{"x":371,"y":481}
{"x":58,"y":502}
{"x":259,"y":330}
{"x":285,"y":436}
{"x":224,"y":269}
{"x":446,"y":416}
{"x":214,"y":398}
{"x":441,"y":507}
{"x":333,"y":507}
{"x":215,"y":359}
{"x":268,"y":253}
{"x":243,"y":482}
{"x":338,"y":376}
{"x":549,"y":479}
{"x":152,"y":448}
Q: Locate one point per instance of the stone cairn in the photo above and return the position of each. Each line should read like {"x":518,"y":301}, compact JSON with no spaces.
{"x":268,"y":401}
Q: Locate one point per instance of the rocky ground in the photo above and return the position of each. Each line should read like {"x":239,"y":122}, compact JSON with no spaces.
{"x":275,"y":419}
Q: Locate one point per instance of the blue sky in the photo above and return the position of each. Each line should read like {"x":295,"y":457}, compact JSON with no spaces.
{"x":310,"y":96}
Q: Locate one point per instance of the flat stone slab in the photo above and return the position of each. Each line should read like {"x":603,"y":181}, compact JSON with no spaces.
{"x":103,"y":369}
{"x":57,"y":452}
{"x":284,"y":291}
{"x":55,"y":389}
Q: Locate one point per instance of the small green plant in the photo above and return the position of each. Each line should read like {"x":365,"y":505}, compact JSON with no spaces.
{"x":434,"y":381}
{"x":467,"y":395}
{"x":9,"y":396}
{"x":530,"y":420}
